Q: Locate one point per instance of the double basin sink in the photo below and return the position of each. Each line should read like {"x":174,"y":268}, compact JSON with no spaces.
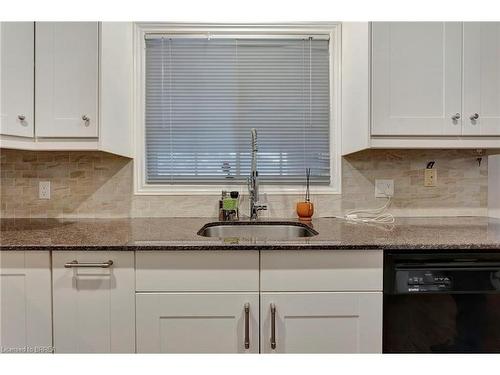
{"x":265,"y":230}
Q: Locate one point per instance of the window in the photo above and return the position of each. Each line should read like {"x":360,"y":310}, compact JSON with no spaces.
{"x":203,"y":93}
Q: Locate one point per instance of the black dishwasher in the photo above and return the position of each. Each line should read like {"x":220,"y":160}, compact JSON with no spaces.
{"x":441,"y":302}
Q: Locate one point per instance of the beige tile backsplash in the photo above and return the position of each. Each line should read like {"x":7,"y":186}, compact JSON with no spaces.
{"x":98,"y":184}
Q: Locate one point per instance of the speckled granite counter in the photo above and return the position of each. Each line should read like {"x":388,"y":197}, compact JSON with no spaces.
{"x":467,"y":233}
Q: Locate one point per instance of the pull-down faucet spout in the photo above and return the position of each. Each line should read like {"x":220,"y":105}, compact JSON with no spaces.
{"x":253,"y":181}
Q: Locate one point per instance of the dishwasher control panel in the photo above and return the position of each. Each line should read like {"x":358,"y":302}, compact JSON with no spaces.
{"x":449,"y":273}
{"x":411,"y":281}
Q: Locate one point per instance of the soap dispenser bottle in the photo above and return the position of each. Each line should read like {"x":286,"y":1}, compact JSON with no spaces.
{"x":221,"y":206}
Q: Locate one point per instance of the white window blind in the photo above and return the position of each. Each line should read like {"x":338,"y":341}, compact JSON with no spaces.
{"x":203,"y":95}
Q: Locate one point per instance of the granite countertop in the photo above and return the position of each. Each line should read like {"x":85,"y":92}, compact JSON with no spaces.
{"x":464,"y":233}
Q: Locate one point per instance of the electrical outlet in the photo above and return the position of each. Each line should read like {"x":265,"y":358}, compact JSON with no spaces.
{"x":44,"y":190}
{"x":384,"y":188}
{"x":430,"y":177}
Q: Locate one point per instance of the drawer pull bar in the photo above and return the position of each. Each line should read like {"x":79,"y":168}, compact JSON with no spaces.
{"x":75,"y":264}
{"x":247,"y":325}
{"x":273,"y":326}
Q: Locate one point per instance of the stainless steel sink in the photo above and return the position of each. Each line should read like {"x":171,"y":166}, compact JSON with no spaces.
{"x":268,"y":230}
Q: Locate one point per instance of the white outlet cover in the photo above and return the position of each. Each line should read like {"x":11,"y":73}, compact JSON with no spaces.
{"x":384,"y":188}
{"x":44,"y":190}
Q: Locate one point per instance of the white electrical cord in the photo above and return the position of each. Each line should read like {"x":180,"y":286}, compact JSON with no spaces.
{"x":375,"y":215}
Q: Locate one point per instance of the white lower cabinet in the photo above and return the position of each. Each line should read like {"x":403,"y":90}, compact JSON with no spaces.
{"x":298,"y":302}
{"x":192,"y":302}
{"x":321,"y":322}
{"x":197,"y":322}
{"x":321,"y":301}
{"x":93,"y":302}
{"x":25,"y":302}
{"x":197,"y":301}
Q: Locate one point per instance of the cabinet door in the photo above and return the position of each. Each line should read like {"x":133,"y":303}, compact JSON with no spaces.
{"x":197,"y":323}
{"x":116,"y":92}
{"x":481,"y":78}
{"x":25,"y":302}
{"x":321,"y":322}
{"x":17,"y":78}
{"x":94,"y":307}
{"x":66,"y":79}
{"x":416,"y":78}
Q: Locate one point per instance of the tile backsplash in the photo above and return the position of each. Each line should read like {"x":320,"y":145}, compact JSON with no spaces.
{"x":98,"y":184}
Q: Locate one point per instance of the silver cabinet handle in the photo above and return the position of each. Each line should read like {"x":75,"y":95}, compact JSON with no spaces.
{"x":76,"y":264}
{"x":273,"y":326}
{"x":456,"y":117}
{"x":86,"y":119}
{"x":21,"y":117}
{"x":474,"y":117}
{"x":247,"y":325}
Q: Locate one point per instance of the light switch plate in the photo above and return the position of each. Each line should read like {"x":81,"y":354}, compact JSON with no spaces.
{"x":430,"y":177}
{"x":384,"y":188}
{"x":44,"y":190}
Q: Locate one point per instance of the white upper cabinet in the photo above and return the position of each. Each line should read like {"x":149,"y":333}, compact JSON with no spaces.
{"x":66,"y":90}
{"x":116,"y":87}
{"x":416,"y":78}
{"x":83,"y":94}
{"x":17,"y":78}
{"x":481,"y":78}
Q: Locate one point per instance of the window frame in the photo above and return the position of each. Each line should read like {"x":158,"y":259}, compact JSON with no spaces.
{"x":140,"y":31}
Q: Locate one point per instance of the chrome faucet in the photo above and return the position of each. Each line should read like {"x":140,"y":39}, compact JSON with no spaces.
{"x":253,"y":181}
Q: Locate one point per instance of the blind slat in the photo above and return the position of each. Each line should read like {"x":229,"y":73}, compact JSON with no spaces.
{"x":204,"y":95}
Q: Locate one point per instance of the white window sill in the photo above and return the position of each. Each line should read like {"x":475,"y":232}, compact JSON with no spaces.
{"x":242,"y":189}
